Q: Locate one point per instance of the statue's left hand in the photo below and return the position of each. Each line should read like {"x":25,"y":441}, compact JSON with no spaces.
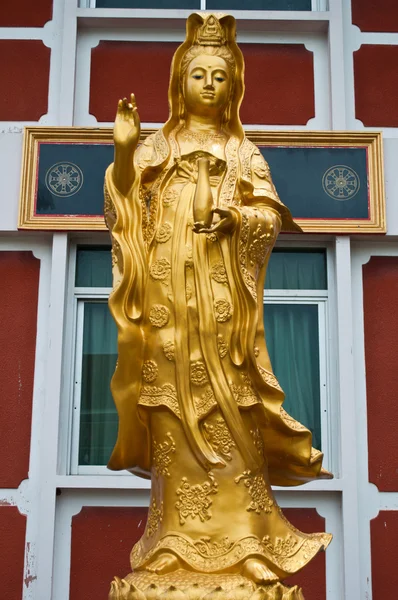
{"x":226,"y":224}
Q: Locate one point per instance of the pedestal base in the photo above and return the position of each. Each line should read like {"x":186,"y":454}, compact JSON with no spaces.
{"x":188,"y":585}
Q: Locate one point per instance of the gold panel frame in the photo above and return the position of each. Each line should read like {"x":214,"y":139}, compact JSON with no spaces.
{"x":371,"y":141}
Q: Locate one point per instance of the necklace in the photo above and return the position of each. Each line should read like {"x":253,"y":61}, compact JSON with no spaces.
{"x":203,"y":140}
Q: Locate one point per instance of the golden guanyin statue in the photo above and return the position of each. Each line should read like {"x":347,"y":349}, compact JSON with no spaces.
{"x":193,"y":216}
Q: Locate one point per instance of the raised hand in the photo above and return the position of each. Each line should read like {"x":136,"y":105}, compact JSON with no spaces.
{"x":127,"y":129}
{"x":126,"y":135}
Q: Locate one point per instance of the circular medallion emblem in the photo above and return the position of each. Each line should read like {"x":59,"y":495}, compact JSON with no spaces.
{"x":341,"y":182}
{"x":64,"y":179}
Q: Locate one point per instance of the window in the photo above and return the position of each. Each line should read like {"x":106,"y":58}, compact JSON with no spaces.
{"x":295,"y":322}
{"x":295,"y":317}
{"x":228,"y":5}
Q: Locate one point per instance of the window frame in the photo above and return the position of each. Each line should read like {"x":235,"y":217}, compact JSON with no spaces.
{"x":78,"y":296}
{"x":316,"y":6}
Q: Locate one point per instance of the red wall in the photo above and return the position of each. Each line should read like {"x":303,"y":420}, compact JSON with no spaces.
{"x":25,"y":66}
{"x":376,"y":85}
{"x":312,"y":579}
{"x":380,"y":294}
{"x":19,"y":274}
{"x":384,"y":536}
{"x":25,"y":13}
{"x":102,"y":538}
{"x":375,"y":15}
{"x":12,"y":552}
{"x":279,"y":81}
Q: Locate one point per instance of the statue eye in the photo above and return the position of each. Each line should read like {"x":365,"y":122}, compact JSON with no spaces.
{"x":220,"y":79}
{"x":197,"y":76}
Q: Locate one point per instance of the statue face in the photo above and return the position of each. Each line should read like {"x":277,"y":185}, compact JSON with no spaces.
{"x":207,"y":85}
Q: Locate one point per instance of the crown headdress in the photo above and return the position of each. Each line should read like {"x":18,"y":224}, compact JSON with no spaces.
{"x":210,"y":33}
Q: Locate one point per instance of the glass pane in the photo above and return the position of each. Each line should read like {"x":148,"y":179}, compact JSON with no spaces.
{"x":148,"y":4}
{"x":292,"y":332}
{"x":94,"y":266}
{"x":297,"y":270}
{"x":98,"y":418}
{"x":259,"y":4}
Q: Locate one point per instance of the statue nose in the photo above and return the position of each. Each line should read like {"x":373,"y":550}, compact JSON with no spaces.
{"x":208,"y":81}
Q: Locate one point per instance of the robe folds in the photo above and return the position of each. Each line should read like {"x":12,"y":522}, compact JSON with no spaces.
{"x":200,"y":410}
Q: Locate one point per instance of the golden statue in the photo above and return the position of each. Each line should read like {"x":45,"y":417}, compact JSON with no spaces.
{"x":193,"y":216}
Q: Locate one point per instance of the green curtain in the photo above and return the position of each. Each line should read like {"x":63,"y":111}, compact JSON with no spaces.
{"x":98,"y":419}
{"x":93,"y":266}
{"x":297,"y":270}
{"x":292,"y":333}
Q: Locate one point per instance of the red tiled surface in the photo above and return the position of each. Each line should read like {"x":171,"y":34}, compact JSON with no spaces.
{"x":12,"y":552}
{"x":19,"y":273}
{"x":102,"y":539}
{"x":380,"y":293}
{"x":25,"y":13}
{"x":375,"y":15}
{"x":376,"y":84}
{"x":24,"y":73}
{"x":384,"y":535}
{"x":279,"y":81}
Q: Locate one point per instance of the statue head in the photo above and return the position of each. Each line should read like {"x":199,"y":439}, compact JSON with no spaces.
{"x":207,"y":73}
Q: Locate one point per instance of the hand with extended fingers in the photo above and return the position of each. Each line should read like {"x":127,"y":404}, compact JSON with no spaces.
{"x":127,"y":129}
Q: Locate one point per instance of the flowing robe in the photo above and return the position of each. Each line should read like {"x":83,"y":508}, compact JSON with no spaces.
{"x":199,"y":406}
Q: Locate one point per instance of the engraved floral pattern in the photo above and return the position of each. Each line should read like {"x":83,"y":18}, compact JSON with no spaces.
{"x":259,"y":246}
{"x":155,"y":517}
{"x":205,"y":403}
{"x":211,"y":237}
{"x":149,"y":371}
{"x":222,"y":346}
{"x":162,"y":452}
{"x":168,"y":349}
{"x":194,"y":501}
{"x":269,"y":378}
{"x":282,"y":546}
{"x":198,"y":373}
{"x":258,"y":440}
{"x":188,"y":291}
{"x":209,"y":547}
{"x":159,"y":315}
{"x":219,"y":437}
{"x":218,"y":272}
{"x":223,"y":310}
{"x":260,"y":500}
{"x":160,"y":269}
{"x":245,"y":394}
{"x":156,"y":396}
{"x":170,"y":196}
{"x":163,"y":234}
{"x":291,"y":422}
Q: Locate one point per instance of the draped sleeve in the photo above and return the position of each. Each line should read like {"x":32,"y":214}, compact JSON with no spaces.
{"x":260,"y":216}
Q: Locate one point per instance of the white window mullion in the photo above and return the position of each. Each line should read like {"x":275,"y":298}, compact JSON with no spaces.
{"x":77,"y":388}
{"x":324,"y":382}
